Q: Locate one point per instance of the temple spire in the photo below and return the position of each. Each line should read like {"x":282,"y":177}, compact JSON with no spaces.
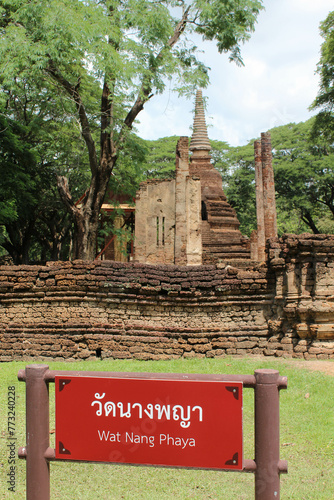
{"x":199,"y":144}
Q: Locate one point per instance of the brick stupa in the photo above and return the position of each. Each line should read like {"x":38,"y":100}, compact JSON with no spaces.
{"x":221,"y":237}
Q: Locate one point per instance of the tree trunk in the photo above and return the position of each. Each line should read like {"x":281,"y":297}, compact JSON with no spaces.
{"x":307,"y":218}
{"x":85,"y":236}
{"x":20,"y":241}
{"x":56,"y":248}
{"x":59,"y":229}
{"x":86,"y":215}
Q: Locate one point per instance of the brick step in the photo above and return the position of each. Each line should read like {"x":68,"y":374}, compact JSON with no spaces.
{"x":227,"y":256}
{"x":223,"y":220}
{"x":228,"y":239}
{"x":218,"y":204}
{"x":219,"y":228}
{"x":215,"y":250}
{"x":216,"y":197}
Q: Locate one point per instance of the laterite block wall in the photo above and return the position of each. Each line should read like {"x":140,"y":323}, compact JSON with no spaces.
{"x":80,"y":310}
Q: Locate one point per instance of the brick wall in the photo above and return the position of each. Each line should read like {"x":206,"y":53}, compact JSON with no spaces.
{"x":107,"y":309}
{"x":304,"y":297}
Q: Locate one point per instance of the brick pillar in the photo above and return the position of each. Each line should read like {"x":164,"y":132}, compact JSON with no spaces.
{"x":261,"y":238}
{"x":181,"y":174}
{"x":269,"y":203}
{"x":141,"y":224}
{"x":254,"y":246}
{"x":194,"y":221}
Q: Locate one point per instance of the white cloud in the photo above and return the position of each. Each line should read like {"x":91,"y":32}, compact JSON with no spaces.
{"x":276,"y":86}
{"x":310,"y":6}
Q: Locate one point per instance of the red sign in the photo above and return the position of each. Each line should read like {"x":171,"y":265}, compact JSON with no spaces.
{"x":182,"y":423}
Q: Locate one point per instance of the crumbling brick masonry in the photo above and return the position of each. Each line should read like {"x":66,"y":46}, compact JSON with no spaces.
{"x":84,"y":310}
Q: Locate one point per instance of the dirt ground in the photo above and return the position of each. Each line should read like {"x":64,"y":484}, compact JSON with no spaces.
{"x":320,"y":365}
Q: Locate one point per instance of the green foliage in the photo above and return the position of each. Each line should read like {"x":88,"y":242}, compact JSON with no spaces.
{"x":304,"y":176}
{"x":15,"y":157}
{"x":240,"y":186}
{"x":217,"y":21}
{"x":304,"y":180}
{"x":220,"y":155}
{"x":324,"y":124}
{"x":87,"y":41}
{"x":128,"y":172}
{"x":91,"y":66}
{"x":19,"y":188}
{"x":34,"y":144}
{"x":236,"y":164}
{"x":160,"y":158}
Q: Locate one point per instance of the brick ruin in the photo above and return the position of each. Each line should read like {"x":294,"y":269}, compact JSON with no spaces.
{"x":167,"y":228}
{"x":85,"y":310}
{"x":195,"y":290}
{"x":188,"y":221}
{"x":265,"y":198}
{"x":221,"y":238}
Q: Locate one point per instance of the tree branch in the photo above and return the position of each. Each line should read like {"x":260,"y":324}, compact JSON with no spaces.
{"x":106,"y":117}
{"x":307,"y":218}
{"x":64,"y":191}
{"x":179,"y":29}
{"x":145,"y":92}
{"x":73,"y":91}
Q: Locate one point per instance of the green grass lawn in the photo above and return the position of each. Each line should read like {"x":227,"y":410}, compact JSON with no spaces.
{"x":307,"y":440}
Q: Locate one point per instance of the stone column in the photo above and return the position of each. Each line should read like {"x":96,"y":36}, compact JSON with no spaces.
{"x":194,"y":220}
{"x":120,"y":242}
{"x":141,"y":223}
{"x":181,"y":174}
{"x":261,"y":238}
{"x":254,"y":246}
{"x":269,"y":202}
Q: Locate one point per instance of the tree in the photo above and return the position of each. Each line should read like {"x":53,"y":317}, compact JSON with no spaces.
{"x":304,"y":181}
{"x":323,"y":127}
{"x":16,"y":189}
{"x":236,"y":165}
{"x":160,"y":158}
{"x":128,"y":173}
{"x":105,"y":59}
{"x":34,"y":144}
{"x":304,"y":176}
{"x":240,"y":188}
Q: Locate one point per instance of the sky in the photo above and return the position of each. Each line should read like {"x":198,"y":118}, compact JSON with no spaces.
{"x":276,"y":86}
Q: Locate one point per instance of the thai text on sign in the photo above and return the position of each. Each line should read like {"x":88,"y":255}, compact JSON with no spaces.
{"x":182,"y":423}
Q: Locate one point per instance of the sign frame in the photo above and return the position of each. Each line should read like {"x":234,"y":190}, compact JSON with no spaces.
{"x":149,"y":421}
{"x":266,"y":466}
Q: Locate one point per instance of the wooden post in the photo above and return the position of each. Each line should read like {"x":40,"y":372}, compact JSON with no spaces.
{"x":37,"y":431}
{"x":267,"y":474}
